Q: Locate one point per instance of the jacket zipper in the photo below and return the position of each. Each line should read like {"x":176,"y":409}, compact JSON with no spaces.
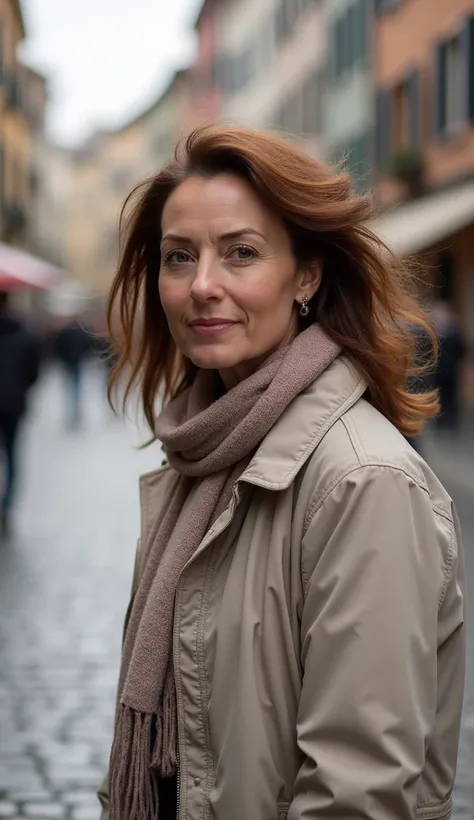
{"x":178,"y":783}
{"x":233,"y":506}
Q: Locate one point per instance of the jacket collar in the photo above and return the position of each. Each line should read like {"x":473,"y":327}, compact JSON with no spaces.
{"x":297,"y":433}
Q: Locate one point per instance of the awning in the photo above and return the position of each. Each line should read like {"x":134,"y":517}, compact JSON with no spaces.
{"x":21,"y":270}
{"x":420,"y":224}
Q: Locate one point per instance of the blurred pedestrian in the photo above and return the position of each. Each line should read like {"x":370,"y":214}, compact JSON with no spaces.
{"x":448,"y":371}
{"x":295,"y":643}
{"x":72,"y":345}
{"x":19,"y":368}
{"x":422,"y":379}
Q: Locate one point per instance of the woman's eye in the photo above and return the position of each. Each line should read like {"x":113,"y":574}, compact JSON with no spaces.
{"x":177,"y":258}
{"x":242,"y":253}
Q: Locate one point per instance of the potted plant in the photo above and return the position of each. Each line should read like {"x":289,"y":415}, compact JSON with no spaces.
{"x":406,"y":166}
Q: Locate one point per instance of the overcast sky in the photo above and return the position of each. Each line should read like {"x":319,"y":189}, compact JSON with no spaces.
{"x":105,"y":58}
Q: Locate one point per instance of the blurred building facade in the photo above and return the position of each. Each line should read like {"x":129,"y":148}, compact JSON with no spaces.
{"x":424,"y":77}
{"x":105,"y":171}
{"x":15,"y":131}
{"x":32,"y":193}
{"x":386,"y":85}
{"x":203,"y":79}
{"x":270,"y":64}
{"x":349,"y":116}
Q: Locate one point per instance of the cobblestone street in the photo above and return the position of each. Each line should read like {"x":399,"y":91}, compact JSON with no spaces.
{"x":64,"y":583}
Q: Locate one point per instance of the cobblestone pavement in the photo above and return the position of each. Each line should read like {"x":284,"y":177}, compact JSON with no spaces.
{"x":64,"y":582}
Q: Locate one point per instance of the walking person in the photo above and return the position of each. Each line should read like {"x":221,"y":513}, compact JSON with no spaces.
{"x":72,"y":346}
{"x":19,"y":368}
{"x":448,"y":372}
{"x":294,"y":645}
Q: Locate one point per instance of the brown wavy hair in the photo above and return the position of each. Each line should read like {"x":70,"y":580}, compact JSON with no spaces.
{"x":364,"y":302}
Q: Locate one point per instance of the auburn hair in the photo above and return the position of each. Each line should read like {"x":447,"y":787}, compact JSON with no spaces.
{"x":364,"y":303}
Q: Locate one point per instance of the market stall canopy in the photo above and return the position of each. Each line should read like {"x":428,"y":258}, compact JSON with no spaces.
{"x":19,"y":269}
{"x":420,"y":224}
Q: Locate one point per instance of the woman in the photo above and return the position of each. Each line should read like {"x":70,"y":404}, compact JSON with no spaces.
{"x":295,"y":642}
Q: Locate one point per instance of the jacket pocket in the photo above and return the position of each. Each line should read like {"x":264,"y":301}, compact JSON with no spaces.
{"x":283,"y":809}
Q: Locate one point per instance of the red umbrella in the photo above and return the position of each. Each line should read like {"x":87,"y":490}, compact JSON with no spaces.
{"x":21,"y":270}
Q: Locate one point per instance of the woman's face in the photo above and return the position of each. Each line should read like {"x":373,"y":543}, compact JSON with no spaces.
{"x":229,"y":283}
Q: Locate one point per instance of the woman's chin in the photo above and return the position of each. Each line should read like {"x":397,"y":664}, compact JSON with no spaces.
{"x":214,"y":359}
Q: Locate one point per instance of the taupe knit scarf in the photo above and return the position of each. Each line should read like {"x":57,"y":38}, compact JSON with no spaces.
{"x":209,"y":439}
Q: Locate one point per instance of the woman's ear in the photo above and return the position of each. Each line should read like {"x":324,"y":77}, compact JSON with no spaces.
{"x":309,"y":279}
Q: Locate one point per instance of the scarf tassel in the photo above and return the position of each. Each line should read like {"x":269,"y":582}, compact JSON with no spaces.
{"x":164,"y":759}
{"x":133,"y":788}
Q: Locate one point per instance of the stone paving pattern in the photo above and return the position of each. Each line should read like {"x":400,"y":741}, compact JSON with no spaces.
{"x":64,"y":584}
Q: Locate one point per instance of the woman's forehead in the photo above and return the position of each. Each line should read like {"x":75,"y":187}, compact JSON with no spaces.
{"x":223,"y":199}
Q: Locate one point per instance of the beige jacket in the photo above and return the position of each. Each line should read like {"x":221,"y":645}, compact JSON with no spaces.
{"x":319,"y":629}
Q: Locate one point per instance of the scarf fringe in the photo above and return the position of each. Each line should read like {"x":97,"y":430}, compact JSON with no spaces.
{"x":133,"y":787}
{"x":165,"y":756}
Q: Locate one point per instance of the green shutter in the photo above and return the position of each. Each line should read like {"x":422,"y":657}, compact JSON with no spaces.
{"x":413,"y":85}
{"x":440,"y":89}
{"x":363,"y":21}
{"x":467,"y":38}
{"x":383,"y":128}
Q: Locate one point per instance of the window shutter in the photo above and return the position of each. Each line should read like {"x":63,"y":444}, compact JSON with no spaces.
{"x":414,"y":106}
{"x":467,"y":41}
{"x":440,"y":89}
{"x":1,"y":56}
{"x":352,"y":39}
{"x":331,"y":61}
{"x":383,"y":127}
{"x":338,"y":49}
{"x":362,"y":31}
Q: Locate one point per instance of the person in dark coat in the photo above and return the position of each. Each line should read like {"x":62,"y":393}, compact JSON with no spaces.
{"x":72,"y":345}
{"x":19,"y":368}
{"x":422,"y":382}
{"x":448,"y":372}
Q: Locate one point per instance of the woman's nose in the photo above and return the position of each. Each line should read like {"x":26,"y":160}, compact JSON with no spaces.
{"x":206,"y":283}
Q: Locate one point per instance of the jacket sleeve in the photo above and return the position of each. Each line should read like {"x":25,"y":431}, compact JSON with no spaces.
{"x":374,"y":571}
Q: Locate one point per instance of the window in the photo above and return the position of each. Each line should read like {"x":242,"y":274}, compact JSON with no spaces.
{"x":398,"y":117}
{"x":349,"y":39}
{"x":287,"y":15}
{"x":2,"y":67}
{"x":360,"y":37}
{"x":386,"y":6}
{"x":454,"y":81}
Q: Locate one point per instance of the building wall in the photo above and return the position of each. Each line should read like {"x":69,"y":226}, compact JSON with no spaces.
{"x":34,"y":101}
{"x":15,"y":140}
{"x":85,"y":210}
{"x":408,"y":43}
{"x":55,"y":197}
{"x":349,"y":112}
{"x":206,"y":97}
{"x":107,"y":170}
{"x":271,"y":63}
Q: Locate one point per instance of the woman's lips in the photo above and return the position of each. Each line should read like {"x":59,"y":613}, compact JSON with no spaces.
{"x":211,"y":328}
